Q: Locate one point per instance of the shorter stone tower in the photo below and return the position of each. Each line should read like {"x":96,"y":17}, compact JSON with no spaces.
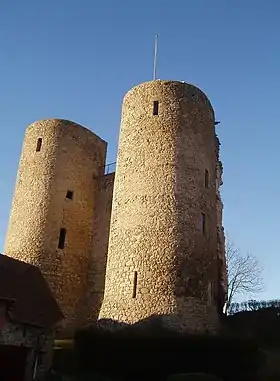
{"x":163,"y":249}
{"x":51,"y":224}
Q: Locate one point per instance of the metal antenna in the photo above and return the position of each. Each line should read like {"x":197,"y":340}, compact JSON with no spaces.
{"x":155,"y":57}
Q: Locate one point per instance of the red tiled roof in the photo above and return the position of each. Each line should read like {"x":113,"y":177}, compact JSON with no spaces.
{"x":31,"y":299}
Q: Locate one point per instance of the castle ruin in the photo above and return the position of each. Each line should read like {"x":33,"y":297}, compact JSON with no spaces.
{"x":146,"y":241}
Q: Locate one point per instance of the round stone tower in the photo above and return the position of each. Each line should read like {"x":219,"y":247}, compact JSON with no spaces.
{"x":51,"y":223}
{"x":162,"y":256}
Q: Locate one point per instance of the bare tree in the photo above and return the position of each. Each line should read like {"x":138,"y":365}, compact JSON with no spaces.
{"x":244,"y":274}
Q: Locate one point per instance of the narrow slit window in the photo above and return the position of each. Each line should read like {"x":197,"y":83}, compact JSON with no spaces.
{"x":155,"y":110}
{"x":69,"y":195}
{"x":134,"y":285}
{"x":203,"y":223}
{"x":62,"y":236}
{"x":206,"y":179}
{"x":39,"y":145}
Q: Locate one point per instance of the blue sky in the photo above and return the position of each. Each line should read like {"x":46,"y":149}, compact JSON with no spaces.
{"x":75,"y":59}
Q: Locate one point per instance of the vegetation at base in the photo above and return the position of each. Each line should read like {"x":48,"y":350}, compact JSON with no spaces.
{"x":253,"y":305}
{"x":133,"y":354}
{"x":192,"y":377}
{"x":64,"y":362}
{"x":261,"y":323}
{"x":247,"y":349}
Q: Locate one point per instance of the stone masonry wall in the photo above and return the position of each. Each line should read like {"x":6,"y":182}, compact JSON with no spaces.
{"x":69,"y":159}
{"x":162,"y":256}
{"x":97,"y":268}
{"x":222,"y":267}
{"x":38,"y":342}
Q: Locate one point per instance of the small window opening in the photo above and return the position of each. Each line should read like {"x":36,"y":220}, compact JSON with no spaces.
{"x":155,"y":111}
{"x":134,"y":284}
{"x":203,"y":222}
{"x":39,"y":145}
{"x":206,"y":179}
{"x":62,"y":236}
{"x":69,"y":195}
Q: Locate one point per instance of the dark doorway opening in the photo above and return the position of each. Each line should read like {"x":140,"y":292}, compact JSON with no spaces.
{"x":12,"y":363}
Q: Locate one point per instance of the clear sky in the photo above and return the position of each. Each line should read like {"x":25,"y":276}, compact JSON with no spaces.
{"x":76,"y":59}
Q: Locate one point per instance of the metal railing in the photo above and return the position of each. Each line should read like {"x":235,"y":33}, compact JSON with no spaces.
{"x":110,"y":168}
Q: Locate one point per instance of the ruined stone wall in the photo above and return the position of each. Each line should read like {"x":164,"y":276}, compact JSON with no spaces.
{"x":97,"y":268}
{"x":68,"y":158}
{"x":38,"y":341}
{"x":162,"y":255}
{"x":18,"y":335}
{"x":222,"y":267}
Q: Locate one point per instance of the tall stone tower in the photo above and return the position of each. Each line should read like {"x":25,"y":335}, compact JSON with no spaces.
{"x":162,"y":256}
{"x":51,"y":223}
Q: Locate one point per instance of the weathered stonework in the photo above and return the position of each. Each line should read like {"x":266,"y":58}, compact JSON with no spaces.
{"x":162,"y":256}
{"x":38,"y":342}
{"x":222,"y":267}
{"x":69,"y":159}
{"x":165,"y":239}
{"x":97,"y":267}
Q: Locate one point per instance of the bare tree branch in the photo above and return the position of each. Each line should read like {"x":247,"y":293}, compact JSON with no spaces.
{"x":244,"y":273}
